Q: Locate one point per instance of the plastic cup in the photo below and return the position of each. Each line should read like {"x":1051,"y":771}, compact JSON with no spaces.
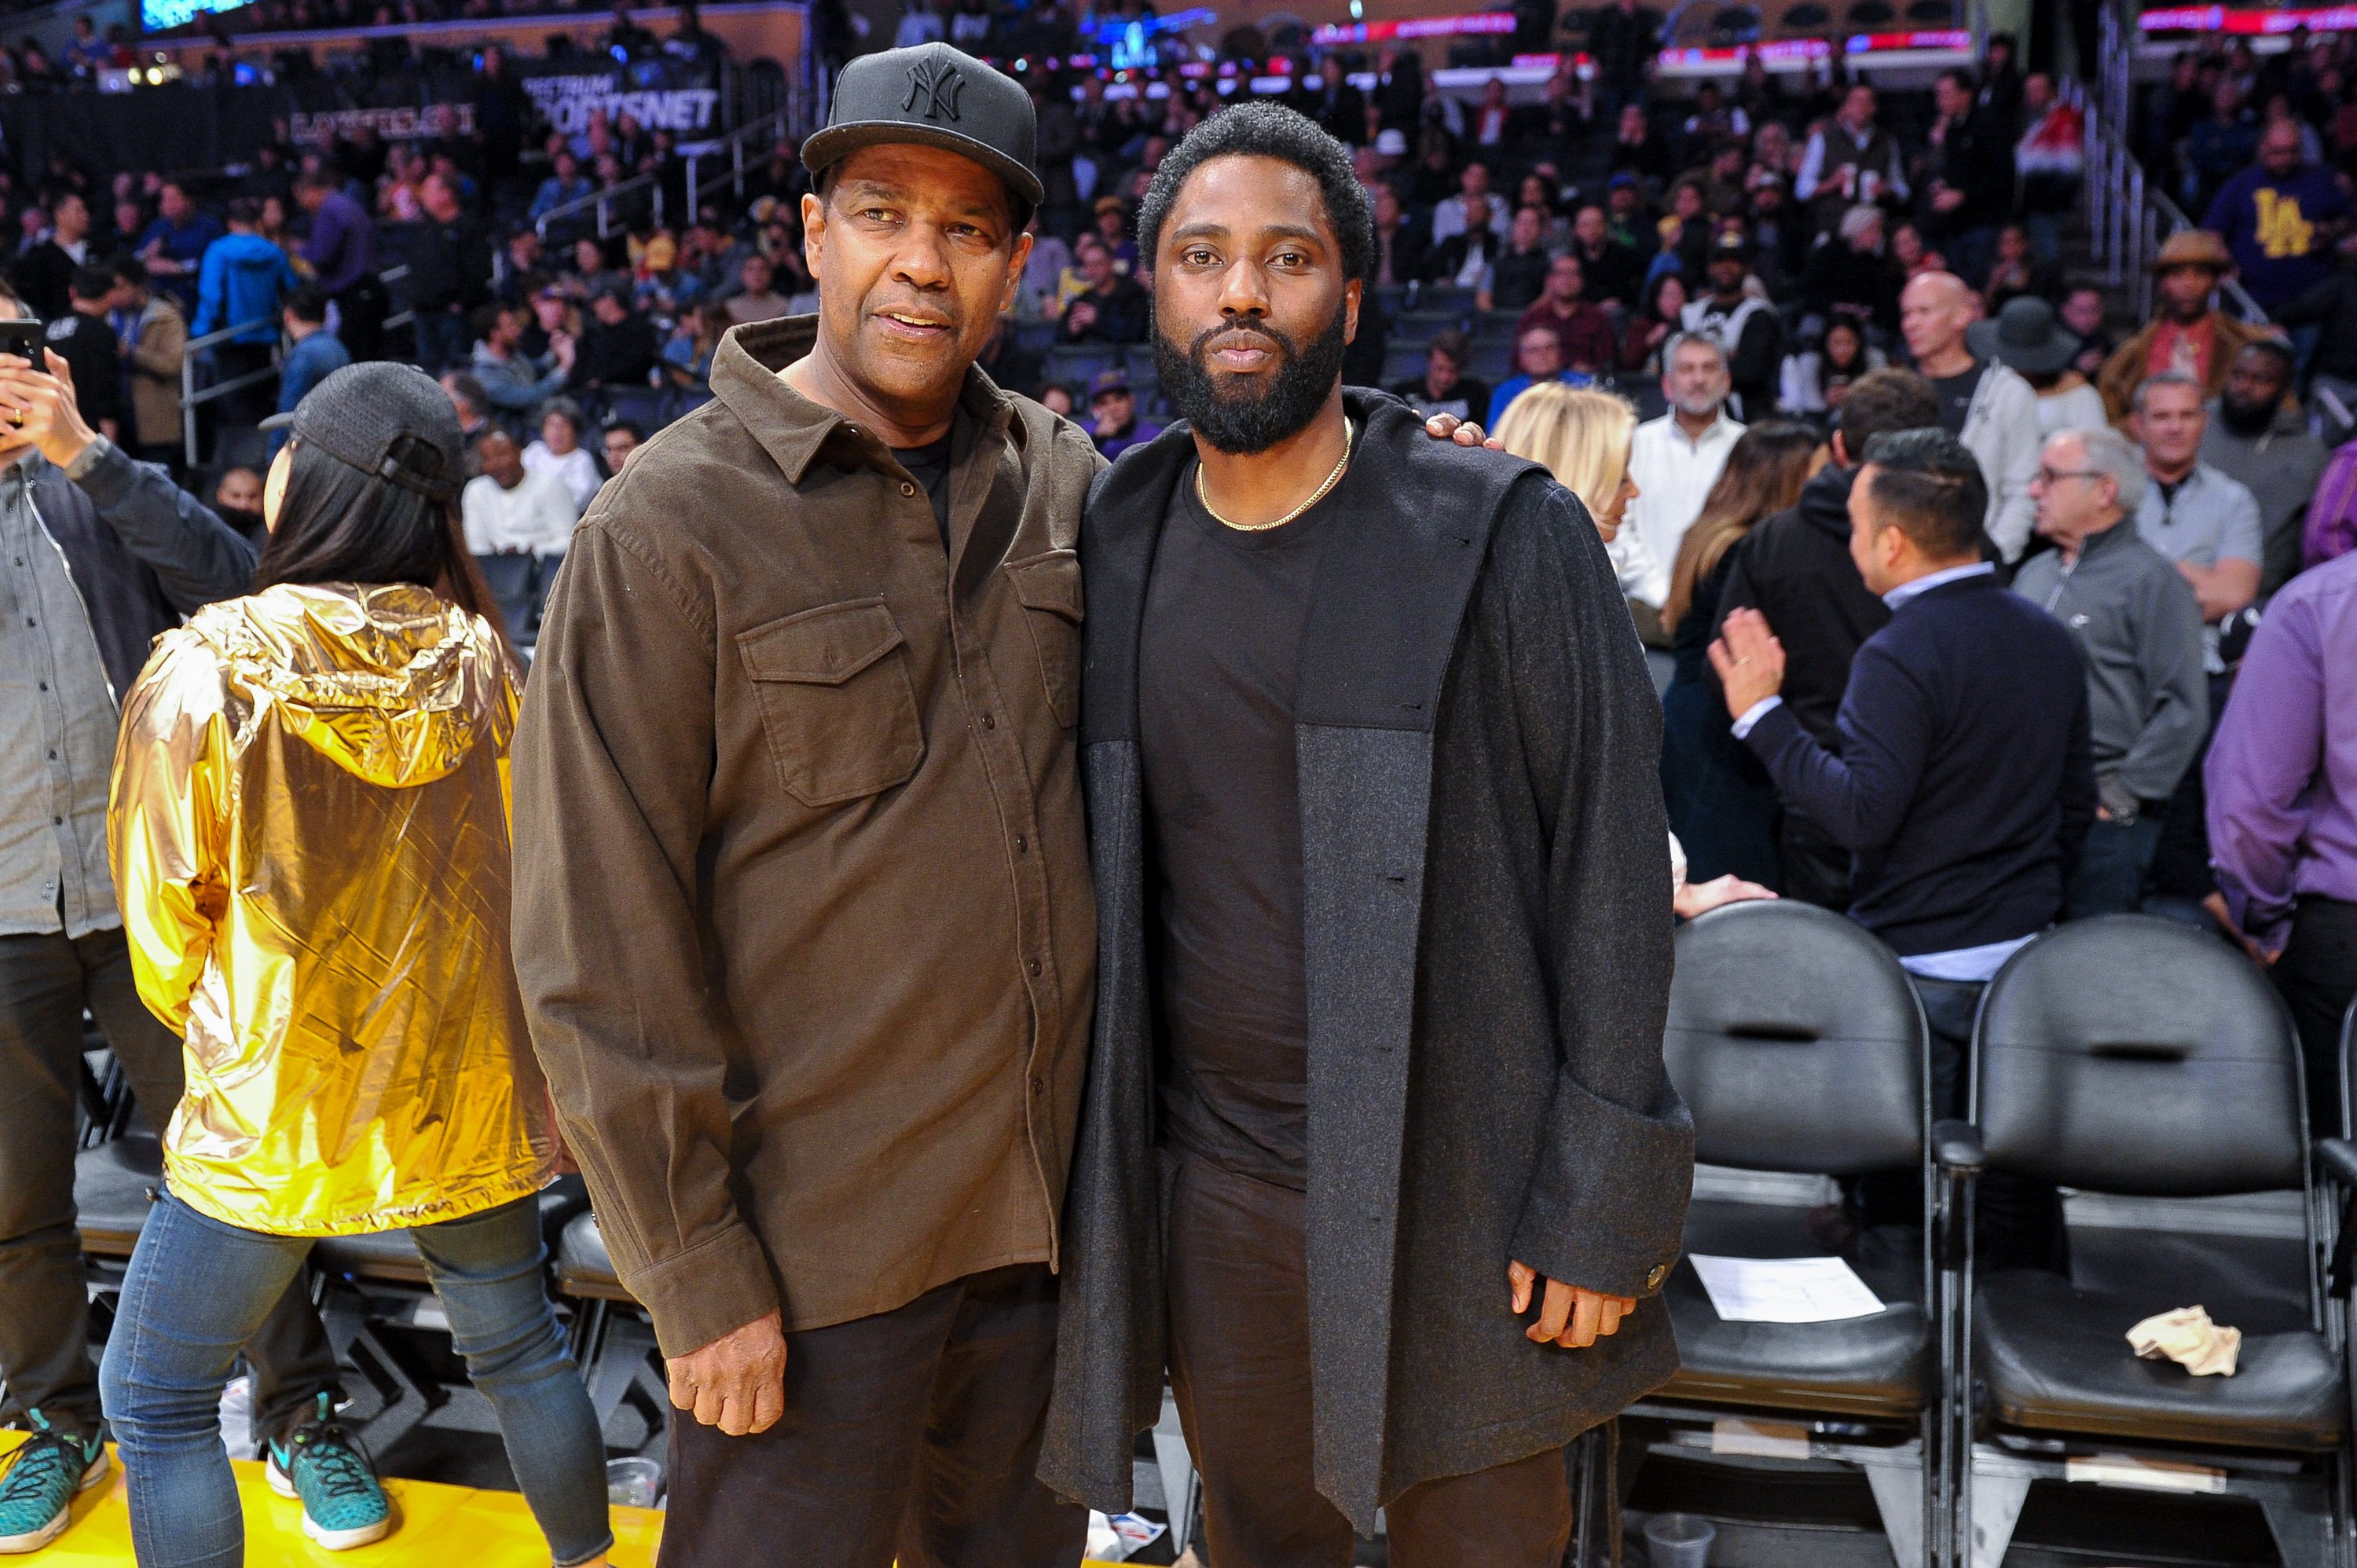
{"x":1679,"y":1539}
{"x":636,"y":1483}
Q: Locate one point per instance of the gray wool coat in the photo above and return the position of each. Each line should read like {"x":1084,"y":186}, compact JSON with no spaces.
{"x":1487,"y":932}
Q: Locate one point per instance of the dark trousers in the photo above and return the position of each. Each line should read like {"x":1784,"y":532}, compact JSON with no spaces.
{"x":914,"y":1433}
{"x":2016,"y":1221}
{"x":361,"y":311}
{"x":2112,"y":867}
{"x":248,"y":404}
{"x":1240,"y":1368}
{"x":44,"y":983}
{"x":2317,"y":977}
{"x":441,"y":341}
{"x":1816,"y":869}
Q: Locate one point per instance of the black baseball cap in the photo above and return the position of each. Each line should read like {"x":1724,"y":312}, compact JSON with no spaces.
{"x":937,"y":97}
{"x":360,"y":414}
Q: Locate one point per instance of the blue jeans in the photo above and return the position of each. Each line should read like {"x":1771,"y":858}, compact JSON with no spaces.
{"x":2111,"y":868}
{"x":441,"y":341}
{"x":195,"y":1290}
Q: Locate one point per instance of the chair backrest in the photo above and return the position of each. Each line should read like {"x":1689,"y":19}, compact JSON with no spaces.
{"x":2138,"y":1056}
{"x":1797,"y":1041}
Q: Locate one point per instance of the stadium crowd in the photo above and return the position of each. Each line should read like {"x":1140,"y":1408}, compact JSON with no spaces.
{"x":1705,"y":313}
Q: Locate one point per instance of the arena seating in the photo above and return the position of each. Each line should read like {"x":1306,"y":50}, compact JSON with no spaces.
{"x":2133,"y":1056}
{"x":1799,"y":1045}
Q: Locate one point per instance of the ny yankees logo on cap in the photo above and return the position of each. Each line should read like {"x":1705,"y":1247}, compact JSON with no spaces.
{"x":939,"y":83}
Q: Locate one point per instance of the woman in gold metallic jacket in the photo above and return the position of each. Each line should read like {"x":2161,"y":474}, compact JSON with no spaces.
{"x":310,"y":831}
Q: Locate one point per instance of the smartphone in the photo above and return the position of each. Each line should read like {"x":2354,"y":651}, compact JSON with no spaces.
{"x":25,"y":340}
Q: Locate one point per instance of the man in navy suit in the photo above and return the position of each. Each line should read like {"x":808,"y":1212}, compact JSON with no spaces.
{"x":1960,"y":779}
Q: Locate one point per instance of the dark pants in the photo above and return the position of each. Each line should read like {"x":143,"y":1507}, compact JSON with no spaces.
{"x":1239,"y":1367}
{"x":2110,"y":877}
{"x":44,"y":983}
{"x":914,"y":1433}
{"x":1816,"y":869}
{"x":2317,"y":977}
{"x":248,"y":404}
{"x":441,"y":341}
{"x":361,"y":311}
{"x":2017,"y":1221}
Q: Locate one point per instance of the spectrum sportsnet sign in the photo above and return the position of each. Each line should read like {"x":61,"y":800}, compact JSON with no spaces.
{"x":568,"y":100}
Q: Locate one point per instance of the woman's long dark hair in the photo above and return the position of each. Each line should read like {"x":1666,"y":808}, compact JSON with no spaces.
{"x":337,"y":524}
{"x":1765,"y":471}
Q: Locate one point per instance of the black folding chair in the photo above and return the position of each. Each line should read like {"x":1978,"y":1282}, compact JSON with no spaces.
{"x":2143,"y":1060}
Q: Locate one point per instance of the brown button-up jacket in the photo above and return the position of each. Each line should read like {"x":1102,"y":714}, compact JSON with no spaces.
{"x":802,"y":913}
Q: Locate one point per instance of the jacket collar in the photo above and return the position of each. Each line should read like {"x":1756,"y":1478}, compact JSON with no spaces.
{"x":790,"y":427}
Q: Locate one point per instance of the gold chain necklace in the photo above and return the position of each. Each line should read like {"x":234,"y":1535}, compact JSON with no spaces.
{"x":1350,"y":431}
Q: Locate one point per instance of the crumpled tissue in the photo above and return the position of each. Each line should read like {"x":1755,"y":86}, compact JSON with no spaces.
{"x":2188,"y":1337}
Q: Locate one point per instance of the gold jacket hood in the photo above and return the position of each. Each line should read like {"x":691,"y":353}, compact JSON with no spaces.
{"x":310,"y":837}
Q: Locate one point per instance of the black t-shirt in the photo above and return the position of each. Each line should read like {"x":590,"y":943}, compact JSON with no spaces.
{"x":1956,"y":396}
{"x":929,"y":465}
{"x":1218,"y":655}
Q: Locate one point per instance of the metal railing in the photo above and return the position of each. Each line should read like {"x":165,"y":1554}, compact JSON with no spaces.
{"x":192,"y":396}
{"x":765,"y":129}
{"x":2128,"y":215}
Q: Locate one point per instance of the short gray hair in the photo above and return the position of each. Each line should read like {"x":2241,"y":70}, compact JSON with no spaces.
{"x":1694,"y":340}
{"x":1858,"y":220}
{"x":2169,"y":378}
{"x":2113,"y":457}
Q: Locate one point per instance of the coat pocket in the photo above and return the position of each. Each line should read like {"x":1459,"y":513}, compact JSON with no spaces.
{"x":836,"y":700}
{"x":1048,"y":588}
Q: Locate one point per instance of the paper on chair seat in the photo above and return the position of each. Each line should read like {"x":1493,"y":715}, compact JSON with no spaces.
{"x":1784,"y":1290}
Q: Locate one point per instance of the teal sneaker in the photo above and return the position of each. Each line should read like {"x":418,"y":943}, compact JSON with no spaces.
{"x":37,"y":1488}
{"x":316,"y":1460}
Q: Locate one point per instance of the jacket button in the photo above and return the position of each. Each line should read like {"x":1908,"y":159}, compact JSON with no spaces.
{"x":1034,"y":968}
{"x":1020,"y":845}
{"x":907,"y":488}
{"x":1661,"y":1271}
{"x":1038,"y":1085}
{"x":989,"y":721}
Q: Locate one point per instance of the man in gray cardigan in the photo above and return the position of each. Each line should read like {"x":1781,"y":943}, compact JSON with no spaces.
{"x":1377,"y":1154}
{"x":2139,"y":630}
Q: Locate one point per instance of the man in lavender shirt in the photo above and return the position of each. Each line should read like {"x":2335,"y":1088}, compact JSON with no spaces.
{"x":342,"y":253}
{"x":2282,"y":779}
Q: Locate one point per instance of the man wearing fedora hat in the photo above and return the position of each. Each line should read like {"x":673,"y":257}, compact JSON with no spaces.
{"x":803,"y":917}
{"x":2186,"y":335}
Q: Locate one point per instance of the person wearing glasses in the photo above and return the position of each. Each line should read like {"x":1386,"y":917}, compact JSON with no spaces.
{"x":2139,"y":630}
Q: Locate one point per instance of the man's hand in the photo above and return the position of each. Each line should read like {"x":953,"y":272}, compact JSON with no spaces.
{"x":2215,"y":905}
{"x":1569,"y":1315}
{"x":737,"y":1382}
{"x":38,"y":410}
{"x":1464,"y":431}
{"x":1749,"y":661}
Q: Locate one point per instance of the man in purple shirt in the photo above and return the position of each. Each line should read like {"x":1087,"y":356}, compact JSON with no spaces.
{"x":2280,"y":218}
{"x":2282,"y":779}
{"x":342,"y":253}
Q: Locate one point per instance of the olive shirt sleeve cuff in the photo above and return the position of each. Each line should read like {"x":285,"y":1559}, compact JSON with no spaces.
{"x":91,"y":457}
{"x":706,"y":1293}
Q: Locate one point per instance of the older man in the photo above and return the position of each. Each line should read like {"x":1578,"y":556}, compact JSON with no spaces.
{"x":1676,"y":458}
{"x":1986,"y":406}
{"x":2139,"y":630}
{"x":2193,"y":514}
{"x":800,"y":731}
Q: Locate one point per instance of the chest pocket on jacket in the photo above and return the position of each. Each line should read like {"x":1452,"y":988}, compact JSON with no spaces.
{"x":835,"y":701}
{"x":1048,"y":588}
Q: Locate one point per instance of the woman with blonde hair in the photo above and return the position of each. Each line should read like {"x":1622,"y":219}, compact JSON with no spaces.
{"x":1721,"y":802}
{"x":1582,"y":436}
